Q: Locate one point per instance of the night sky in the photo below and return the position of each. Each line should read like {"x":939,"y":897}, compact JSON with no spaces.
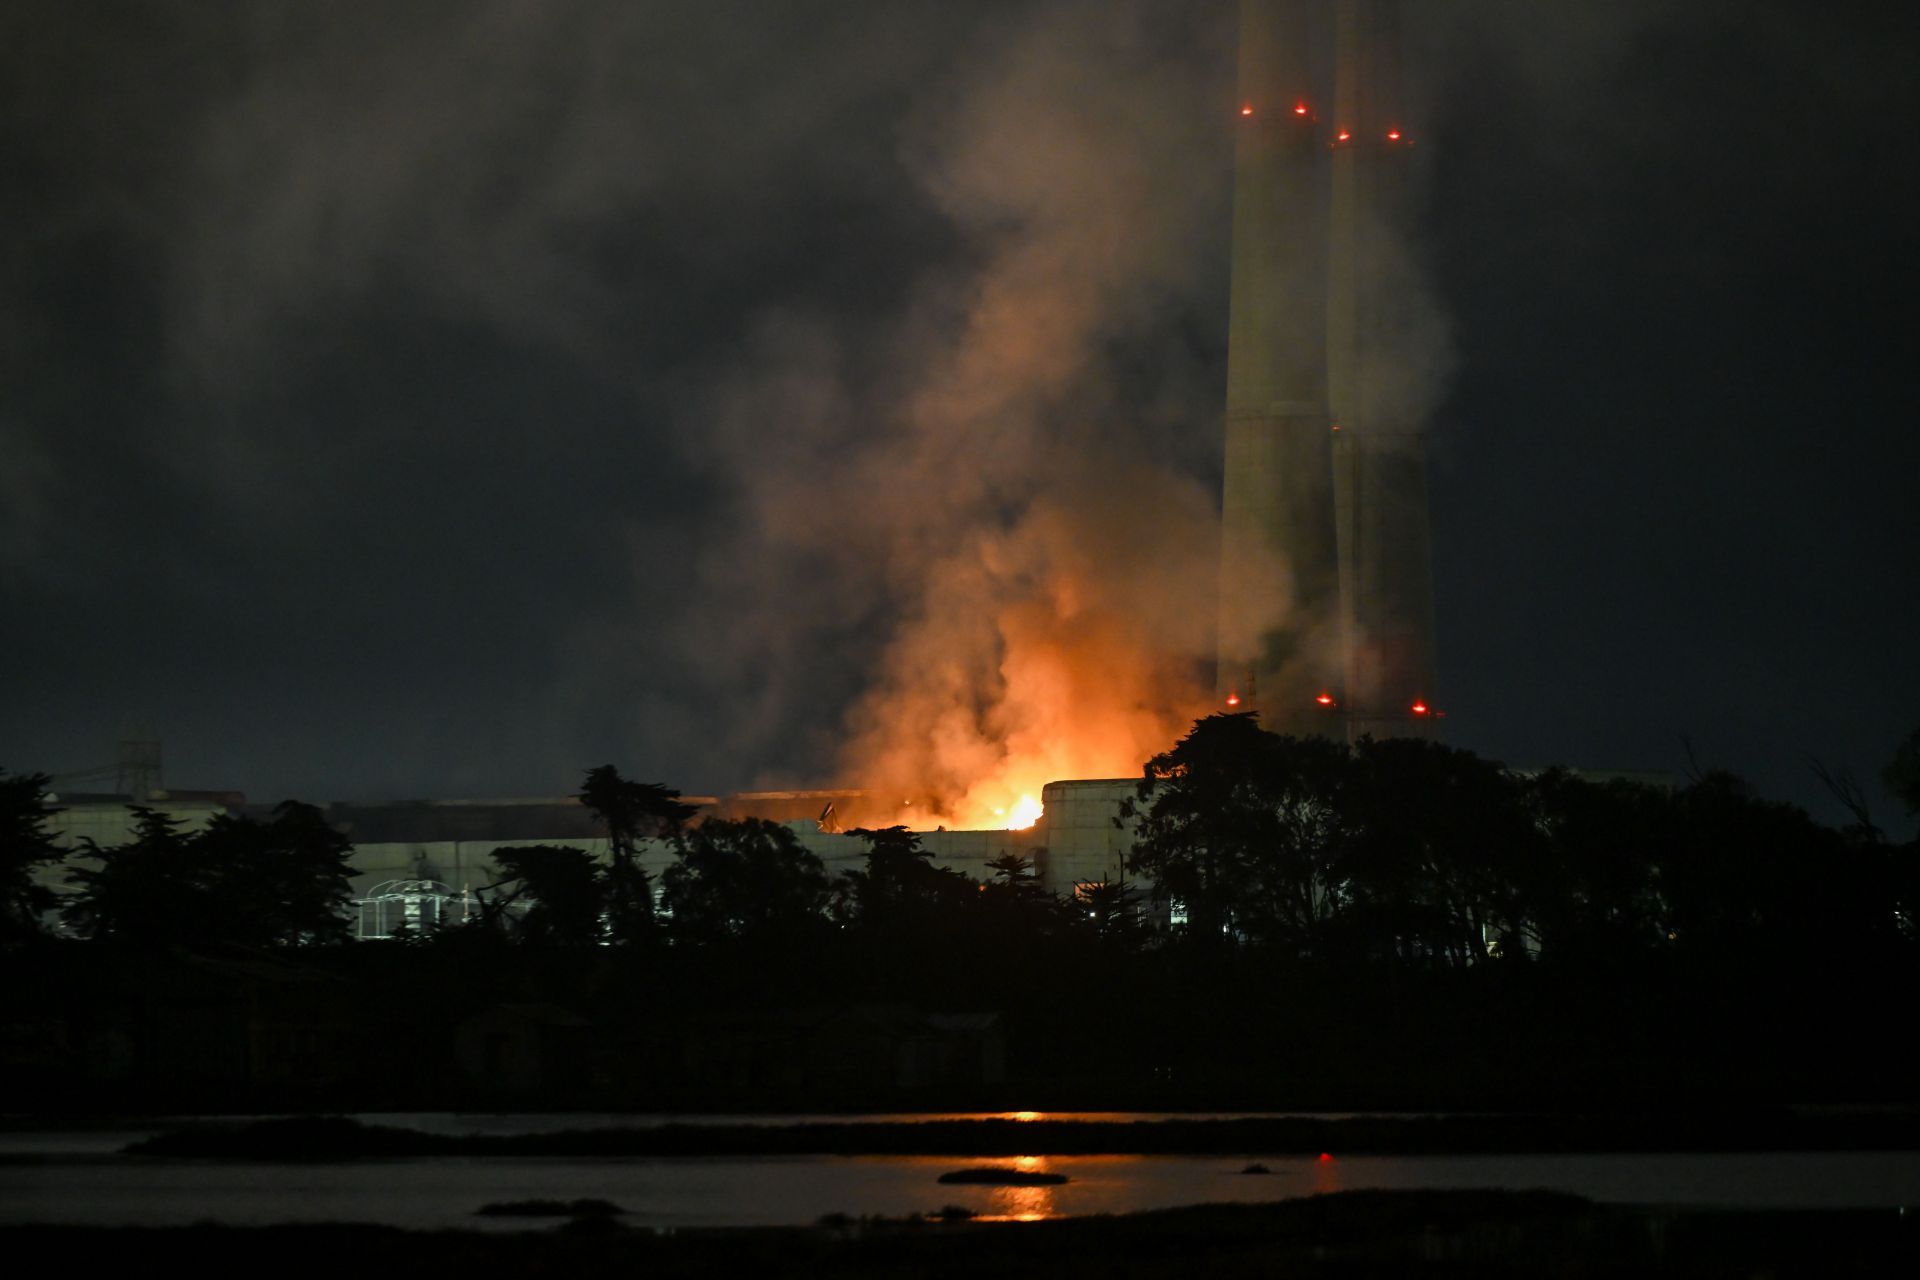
{"x":415,"y":399}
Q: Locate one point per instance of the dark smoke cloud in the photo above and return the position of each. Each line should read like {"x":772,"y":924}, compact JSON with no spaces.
{"x":435,"y":397}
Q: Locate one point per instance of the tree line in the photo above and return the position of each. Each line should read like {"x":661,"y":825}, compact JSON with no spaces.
{"x":285,"y":880}
{"x":1398,"y":852}
{"x":1408,"y":851}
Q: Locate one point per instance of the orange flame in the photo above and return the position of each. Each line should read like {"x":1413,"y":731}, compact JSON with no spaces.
{"x":1026,"y":812}
{"x":1059,"y":648}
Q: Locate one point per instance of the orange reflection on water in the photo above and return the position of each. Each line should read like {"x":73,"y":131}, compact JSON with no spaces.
{"x":1096,"y":1184}
{"x":1024,"y":1204}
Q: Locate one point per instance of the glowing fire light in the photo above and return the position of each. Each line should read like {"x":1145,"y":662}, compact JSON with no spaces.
{"x":1026,"y":812}
{"x":1246,"y":109}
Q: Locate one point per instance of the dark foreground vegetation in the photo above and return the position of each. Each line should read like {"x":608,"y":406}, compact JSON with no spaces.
{"x":1393,"y":925}
{"x":1362,"y":1233}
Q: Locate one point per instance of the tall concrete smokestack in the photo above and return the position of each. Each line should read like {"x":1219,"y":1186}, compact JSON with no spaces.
{"x":1279,"y":607}
{"x":1326,"y":613}
{"x":1386,"y":577}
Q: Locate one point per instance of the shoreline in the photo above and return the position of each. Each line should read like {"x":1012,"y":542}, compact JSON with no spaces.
{"x":1497,"y":1233}
{"x":329,"y":1138}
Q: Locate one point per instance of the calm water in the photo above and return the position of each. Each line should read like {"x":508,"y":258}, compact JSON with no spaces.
{"x":80,"y":1178}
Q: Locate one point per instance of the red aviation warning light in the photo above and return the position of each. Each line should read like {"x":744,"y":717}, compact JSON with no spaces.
{"x":1233,"y":698}
{"x":1326,"y":700}
{"x":1345,"y":135}
{"x":1246,"y":108}
{"x":1393,"y":135}
{"x":1420,"y":708}
{"x":1300,"y":108}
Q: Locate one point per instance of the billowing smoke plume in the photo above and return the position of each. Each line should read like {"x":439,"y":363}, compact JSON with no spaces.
{"x":1067,"y":645}
{"x":1045,"y":591}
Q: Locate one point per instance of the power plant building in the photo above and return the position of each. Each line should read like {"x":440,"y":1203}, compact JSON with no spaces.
{"x":422,"y":863}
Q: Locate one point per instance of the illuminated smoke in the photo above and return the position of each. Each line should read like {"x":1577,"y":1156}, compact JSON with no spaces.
{"x":1066,"y":646}
{"x":1043,"y":592}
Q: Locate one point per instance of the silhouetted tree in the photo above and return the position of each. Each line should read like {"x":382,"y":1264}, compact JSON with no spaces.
{"x":631,"y":812}
{"x":1902,"y":774}
{"x":900,"y":883}
{"x":1013,"y":912}
{"x":1014,"y":889}
{"x":748,"y":879}
{"x":240,"y":881}
{"x":152,"y":891}
{"x":561,"y":894}
{"x":1110,"y":911}
{"x":1243,"y":827}
{"x":1441,"y":858}
{"x":282,"y":882}
{"x":25,"y":846}
{"x":1014,"y":877}
{"x":1746,"y":876}
{"x":1595,"y":896}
